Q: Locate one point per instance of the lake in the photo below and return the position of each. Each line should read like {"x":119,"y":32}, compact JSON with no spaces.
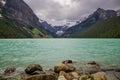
{"x":47,"y":52}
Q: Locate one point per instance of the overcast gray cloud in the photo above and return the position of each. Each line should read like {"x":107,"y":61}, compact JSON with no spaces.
{"x":58,"y":12}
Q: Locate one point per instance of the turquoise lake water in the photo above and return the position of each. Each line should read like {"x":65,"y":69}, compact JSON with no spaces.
{"x":48,"y":52}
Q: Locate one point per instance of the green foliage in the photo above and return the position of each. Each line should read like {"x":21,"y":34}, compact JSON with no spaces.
{"x":91,"y":78}
{"x":10,"y":29}
{"x":109,"y":28}
{"x":34,"y":32}
{"x":84,"y":78}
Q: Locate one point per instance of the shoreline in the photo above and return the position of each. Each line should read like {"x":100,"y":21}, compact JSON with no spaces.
{"x":64,"y":68}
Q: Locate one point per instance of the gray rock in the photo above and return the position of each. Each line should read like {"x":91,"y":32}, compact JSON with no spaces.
{"x":69,"y":76}
{"x":117,"y":75}
{"x":15,"y":76}
{"x":63,"y":67}
{"x":67,"y":61}
{"x":37,"y":72}
{"x":111,"y":75}
{"x":76,"y":75}
{"x":40,"y":77}
{"x":32,"y":68}
{"x":99,"y":76}
{"x":9,"y":70}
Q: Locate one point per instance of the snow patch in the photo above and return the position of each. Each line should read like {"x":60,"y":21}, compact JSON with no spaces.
{"x":70,"y":24}
{"x":41,"y":21}
{"x":59,"y":33}
{"x":3,"y":2}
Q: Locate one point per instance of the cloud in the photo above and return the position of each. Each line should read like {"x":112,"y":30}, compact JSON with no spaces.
{"x":58,"y":12}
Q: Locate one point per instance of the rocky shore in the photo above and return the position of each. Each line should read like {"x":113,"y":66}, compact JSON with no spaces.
{"x":64,"y":70}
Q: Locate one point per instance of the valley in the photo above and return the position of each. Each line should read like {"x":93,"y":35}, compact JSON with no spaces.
{"x":17,"y":20}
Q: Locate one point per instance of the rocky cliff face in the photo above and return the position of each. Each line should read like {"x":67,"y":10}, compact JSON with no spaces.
{"x":98,"y":15}
{"x":20,"y":11}
{"x":23,"y":17}
{"x":2,"y":3}
{"x":55,"y":31}
{"x":102,"y":14}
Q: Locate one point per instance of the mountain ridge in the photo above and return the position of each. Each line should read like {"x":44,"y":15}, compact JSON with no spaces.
{"x":109,"y":28}
{"x":22,"y":16}
{"x":98,"y":15}
{"x":25,"y":23}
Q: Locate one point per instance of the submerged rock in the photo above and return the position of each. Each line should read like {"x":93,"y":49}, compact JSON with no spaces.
{"x":9,"y":70}
{"x":93,"y":64}
{"x":63,"y":67}
{"x":91,"y":67}
{"x":15,"y":76}
{"x":67,"y":62}
{"x":40,"y":77}
{"x":1,"y":77}
{"x":32,"y":68}
{"x":35,"y":72}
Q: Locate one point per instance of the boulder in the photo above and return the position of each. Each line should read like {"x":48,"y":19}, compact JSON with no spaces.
{"x":63,"y":67}
{"x":83,"y":77}
{"x":69,"y":76}
{"x":62,"y":75}
{"x":67,"y":62}
{"x":92,"y":63}
{"x":15,"y":76}
{"x":9,"y":70}
{"x":99,"y":76}
{"x":41,"y":77}
{"x":1,"y":77}
{"x":75,"y":75}
{"x":37,"y":72}
{"x":92,"y":67}
{"x":61,"y":78}
{"x":32,"y":68}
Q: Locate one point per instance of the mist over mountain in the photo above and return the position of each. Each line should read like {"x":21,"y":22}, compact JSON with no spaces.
{"x":59,"y":12}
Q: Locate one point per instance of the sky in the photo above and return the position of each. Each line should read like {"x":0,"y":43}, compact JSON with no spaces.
{"x":60,"y":12}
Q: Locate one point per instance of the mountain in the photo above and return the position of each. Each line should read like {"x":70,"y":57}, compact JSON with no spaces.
{"x":17,"y":20}
{"x":98,"y":15}
{"x":109,"y":28}
{"x":59,"y":30}
{"x":55,"y":31}
{"x":19,"y":17}
{"x":50,"y":30}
